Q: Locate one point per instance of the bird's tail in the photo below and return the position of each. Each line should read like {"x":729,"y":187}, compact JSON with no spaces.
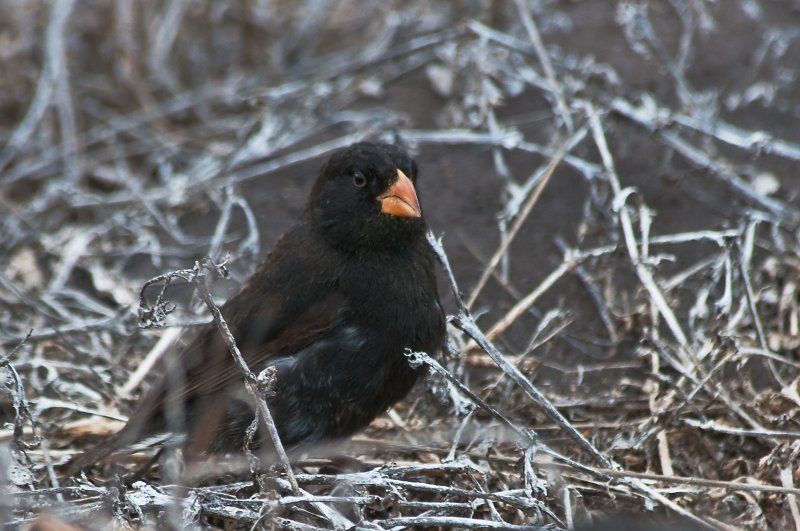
{"x":104,"y":448}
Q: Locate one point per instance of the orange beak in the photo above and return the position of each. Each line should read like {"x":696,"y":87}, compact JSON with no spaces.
{"x":401,"y":198}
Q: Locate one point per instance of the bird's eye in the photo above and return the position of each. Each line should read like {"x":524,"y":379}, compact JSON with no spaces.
{"x":359,"y":179}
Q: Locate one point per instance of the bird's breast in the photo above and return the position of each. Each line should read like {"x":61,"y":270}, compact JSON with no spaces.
{"x":395,"y":300}
{"x":360,"y":369}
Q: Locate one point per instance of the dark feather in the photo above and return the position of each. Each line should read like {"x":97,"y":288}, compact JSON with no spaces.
{"x":333,"y":308}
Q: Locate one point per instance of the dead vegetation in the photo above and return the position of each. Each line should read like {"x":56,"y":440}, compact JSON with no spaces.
{"x":629,"y":339}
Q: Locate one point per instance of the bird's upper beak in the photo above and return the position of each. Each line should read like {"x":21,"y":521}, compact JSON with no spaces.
{"x":401,"y":198}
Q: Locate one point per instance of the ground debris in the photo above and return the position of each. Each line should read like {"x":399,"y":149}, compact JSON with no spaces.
{"x":613,"y":194}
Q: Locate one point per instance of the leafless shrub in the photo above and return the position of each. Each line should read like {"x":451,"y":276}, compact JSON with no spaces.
{"x":644,"y":368}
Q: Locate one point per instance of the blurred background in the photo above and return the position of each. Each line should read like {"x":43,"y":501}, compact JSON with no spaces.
{"x":615,"y":182}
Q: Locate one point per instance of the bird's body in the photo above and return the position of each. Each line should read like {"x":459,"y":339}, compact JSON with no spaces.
{"x":333,"y":308}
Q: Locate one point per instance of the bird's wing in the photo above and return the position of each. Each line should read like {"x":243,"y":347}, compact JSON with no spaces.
{"x":214,"y":385}
{"x":276,"y":314}
{"x":291,"y":301}
{"x":266,"y":335}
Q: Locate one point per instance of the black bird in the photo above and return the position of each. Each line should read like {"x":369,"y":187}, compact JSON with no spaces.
{"x":333,"y":307}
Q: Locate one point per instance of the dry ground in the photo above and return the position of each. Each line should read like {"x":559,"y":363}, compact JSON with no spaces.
{"x":616,"y":188}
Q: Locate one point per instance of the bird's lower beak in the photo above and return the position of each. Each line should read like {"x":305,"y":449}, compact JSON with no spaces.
{"x":401,"y":198}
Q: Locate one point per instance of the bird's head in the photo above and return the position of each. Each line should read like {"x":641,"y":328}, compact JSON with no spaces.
{"x":365,"y":198}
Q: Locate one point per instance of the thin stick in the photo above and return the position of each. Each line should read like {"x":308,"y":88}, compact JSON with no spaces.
{"x":520,"y":219}
{"x":544,"y":58}
{"x":253,"y":384}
